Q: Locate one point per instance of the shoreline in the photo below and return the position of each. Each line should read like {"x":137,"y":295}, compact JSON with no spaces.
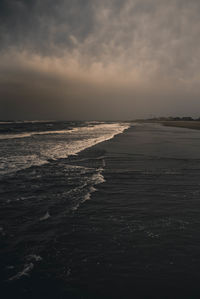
{"x":195,"y":125}
{"x":129,"y":239}
{"x":139,"y":207}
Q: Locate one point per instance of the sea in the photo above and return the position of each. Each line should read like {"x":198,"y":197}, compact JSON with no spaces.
{"x":99,"y":210}
{"x":43,"y":184}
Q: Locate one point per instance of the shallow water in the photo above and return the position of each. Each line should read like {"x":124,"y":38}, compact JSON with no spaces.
{"x":119,"y":220}
{"x":33,"y":144}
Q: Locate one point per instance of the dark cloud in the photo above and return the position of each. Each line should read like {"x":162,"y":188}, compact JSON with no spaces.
{"x":41,"y":26}
{"x":99,"y":59}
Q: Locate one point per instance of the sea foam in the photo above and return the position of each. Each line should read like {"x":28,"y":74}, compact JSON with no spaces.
{"x":37,"y":151}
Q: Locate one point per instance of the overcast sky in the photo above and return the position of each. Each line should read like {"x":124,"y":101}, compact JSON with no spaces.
{"x":99,"y":59}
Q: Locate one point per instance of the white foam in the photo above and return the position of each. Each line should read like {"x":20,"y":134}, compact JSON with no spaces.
{"x":28,"y":267}
{"x":78,"y":130}
{"x":98,"y":178}
{"x":45,"y":217}
{"x":92,"y":189}
{"x":25,"y":272}
{"x":87,"y":196}
{"x":14,"y":163}
{"x":89,"y":136}
{"x":74,"y":208}
{"x":54,"y":147}
{"x":30,"y":134}
{"x":34,"y":257}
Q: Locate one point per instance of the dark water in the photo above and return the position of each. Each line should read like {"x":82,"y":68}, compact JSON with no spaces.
{"x":119,"y":220}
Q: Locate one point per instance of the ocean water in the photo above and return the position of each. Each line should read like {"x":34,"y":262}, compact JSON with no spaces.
{"x":42,"y":183}
{"x":99,"y":210}
{"x":29,"y":144}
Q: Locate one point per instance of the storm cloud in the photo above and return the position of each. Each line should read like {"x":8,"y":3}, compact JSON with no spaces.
{"x":96,"y":59}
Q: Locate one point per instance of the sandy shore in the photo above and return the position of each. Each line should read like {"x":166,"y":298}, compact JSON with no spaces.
{"x":183,"y":124}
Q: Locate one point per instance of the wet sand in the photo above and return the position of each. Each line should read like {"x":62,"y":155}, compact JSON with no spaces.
{"x":142,"y":228}
{"x":182,"y":124}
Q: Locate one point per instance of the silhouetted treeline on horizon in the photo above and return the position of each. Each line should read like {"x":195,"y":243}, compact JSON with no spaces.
{"x":171,"y":118}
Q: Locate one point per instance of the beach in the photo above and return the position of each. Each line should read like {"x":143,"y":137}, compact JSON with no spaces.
{"x":193,"y":124}
{"x":136,"y":235}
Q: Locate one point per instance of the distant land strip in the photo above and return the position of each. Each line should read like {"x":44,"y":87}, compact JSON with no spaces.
{"x":189,"y":124}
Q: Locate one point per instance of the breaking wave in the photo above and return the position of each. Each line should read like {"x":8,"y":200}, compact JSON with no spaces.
{"x":19,"y":152}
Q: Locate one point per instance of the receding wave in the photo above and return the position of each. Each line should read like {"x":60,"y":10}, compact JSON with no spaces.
{"x":93,"y":135}
{"x":54,"y":145}
{"x":30,"y":134}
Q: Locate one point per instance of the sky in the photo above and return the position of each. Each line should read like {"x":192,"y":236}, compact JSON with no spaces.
{"x":99,"y":59}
